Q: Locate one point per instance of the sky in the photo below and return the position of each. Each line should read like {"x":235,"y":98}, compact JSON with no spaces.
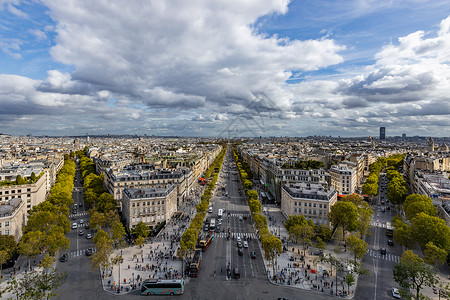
{"x":225,"y":67}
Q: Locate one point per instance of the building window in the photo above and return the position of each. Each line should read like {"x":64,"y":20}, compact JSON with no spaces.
{"x":6,"y":232}
{"x":7,"y":224}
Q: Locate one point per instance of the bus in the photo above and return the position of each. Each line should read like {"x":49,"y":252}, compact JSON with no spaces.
{"x":162,"y":287}
{"x":389,"y":229}
{"x":212,"y":224}
{"x":194,"y":267}
{"x":204,"y":243}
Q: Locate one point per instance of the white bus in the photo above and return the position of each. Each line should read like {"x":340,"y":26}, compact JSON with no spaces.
{"x":220,"y":213}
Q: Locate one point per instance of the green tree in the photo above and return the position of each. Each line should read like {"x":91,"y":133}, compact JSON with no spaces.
{"x":320,"y":243}
{"x":101,"y":257}
{"x":33,"y":177}
{"x":20,"y":180}
{"x":8,"y":244}
{"x":324,"y":232}
{"x":344,"y":214}
{"x":403,"y":234}
{"x":357,"y":246}
{"x":3,"y":259}
{"x":141,"y":229}
{"x":397,"y":190}
{"x":415,"y":204}
{"x":302,"y":233}
{"x":426,"y":228}
{"x":350,"y":280}
{"x":140,"y":241}
{"x":434,"y":255}
{"x":47,"y":282}
{"x":272,"y":247}
{"x":370,"y":189}
{"x":413,"y":273}
{"x":31,"y":244}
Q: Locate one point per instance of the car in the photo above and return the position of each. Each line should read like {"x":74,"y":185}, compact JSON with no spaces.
{"x":210,"y":209}
{"x":253,"y":254}
{"x":206,"y":227}
{"x":245,"y":217}
{"x":239,"y":244}
{"x":388,"y":207}
{"x":80,"y":232}
{"x":86,"y":225}
{"x":395,"y":293}
{"x":236,"y":273}
{"x":88,"y":236}
{"x":383,"y":209}
{"x":390,"y":243}
{"x":241,"y":218}
{"x":64,"y":258}
{"x":74,"y":225}
{"x":240,"y":252}
{"x":245,"y":244}
{"x":382,"y":202}
{"x":74,"y":217}
{"x":81,"y":221}
{"x":217,"y":229}
{"x":383,"y":251}
{"x":88,"y":252}
{"x":219,"y":222}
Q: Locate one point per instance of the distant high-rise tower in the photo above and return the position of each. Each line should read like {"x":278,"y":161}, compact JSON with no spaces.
{"x":382,"y":133}
{"x":430,"y":145}
{"x":404,"y":136}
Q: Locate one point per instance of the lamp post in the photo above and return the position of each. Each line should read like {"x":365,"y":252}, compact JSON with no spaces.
{"x":133,"y":280}
{"x":120,"y":260}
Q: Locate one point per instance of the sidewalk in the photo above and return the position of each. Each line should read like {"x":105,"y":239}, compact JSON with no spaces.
{"x":308,"y":274}
{"x":157,"y":258}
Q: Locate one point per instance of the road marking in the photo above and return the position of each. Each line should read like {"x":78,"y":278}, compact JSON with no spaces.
{"x":375,"y":269}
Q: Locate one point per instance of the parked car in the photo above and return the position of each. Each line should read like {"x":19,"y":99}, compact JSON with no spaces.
{"x":64,"y":258}
{"x":395,"y":293}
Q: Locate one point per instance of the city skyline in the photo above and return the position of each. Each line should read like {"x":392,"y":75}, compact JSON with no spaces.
{"x":263,"y":68}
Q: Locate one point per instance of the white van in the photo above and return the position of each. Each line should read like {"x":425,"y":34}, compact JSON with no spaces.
{"x":220,"y":213}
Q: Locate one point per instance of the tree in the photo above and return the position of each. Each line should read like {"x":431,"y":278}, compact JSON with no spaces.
{"x":365,"y":214}
{"x":3,"y":259}
{"x":357,"y":246}
{"x":324,"y":232}
{"x":397,"y":190}
{"x":415,"y":204}
{"x":294,"y":220}
{"x":140,"y":241}
{"x":349,"y":279}
{"x":302,"y":233}
{"x":20,"y":180}
{"x":413,"y":273}
{"x":434,"y":255}
{"x":101,"y":258}
{"x":8,"y":244}
{"x":344,"y":214}
{"x":320,"y":244}
{"x":426,"y":228}
{"x":272,"y":247}
{"x":33,"y":177}
{"x":403,"y":234}
{"x":31,"y":244}
{"x":47,"y":282}
{"x":370,"y":189}
{"x":252,"y":194}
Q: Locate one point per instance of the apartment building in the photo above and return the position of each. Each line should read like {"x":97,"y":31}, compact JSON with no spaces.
{"x":150,"y":205}
{"x":344,"y":178}
{"x":311,"y":200}
{"x":13,"y":216}
{"x":143,"y":175}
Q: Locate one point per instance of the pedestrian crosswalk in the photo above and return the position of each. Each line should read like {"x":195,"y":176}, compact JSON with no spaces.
{"x":244,"y":235}
{"x":237,"y":215}
{"x":377,"y":254}
{"x":79,"y":215}
{"x":378,"y":224}
{"x":80,"y":252}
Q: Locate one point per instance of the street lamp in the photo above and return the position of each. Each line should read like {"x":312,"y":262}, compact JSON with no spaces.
{"x":133,"y":281}
{"x":120,"y":260}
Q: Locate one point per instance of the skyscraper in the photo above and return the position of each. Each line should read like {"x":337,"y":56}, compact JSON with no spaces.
{"x":382,"y":133}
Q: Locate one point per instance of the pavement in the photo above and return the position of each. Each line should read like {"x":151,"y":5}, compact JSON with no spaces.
{"x":157,"y":258}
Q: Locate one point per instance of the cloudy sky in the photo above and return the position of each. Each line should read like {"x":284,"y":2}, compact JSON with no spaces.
{"x":225,"y":67}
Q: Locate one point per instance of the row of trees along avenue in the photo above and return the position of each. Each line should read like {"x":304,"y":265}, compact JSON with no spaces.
{"x":109,"y":231}
{"x":45,"y":233}
{"x":189,"y":237}
{"x":271,"y":244}
{"x":420,"y":226}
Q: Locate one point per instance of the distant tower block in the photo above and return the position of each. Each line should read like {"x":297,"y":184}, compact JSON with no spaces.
{"x":382,"y":133}
{"x":431,"y":145}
